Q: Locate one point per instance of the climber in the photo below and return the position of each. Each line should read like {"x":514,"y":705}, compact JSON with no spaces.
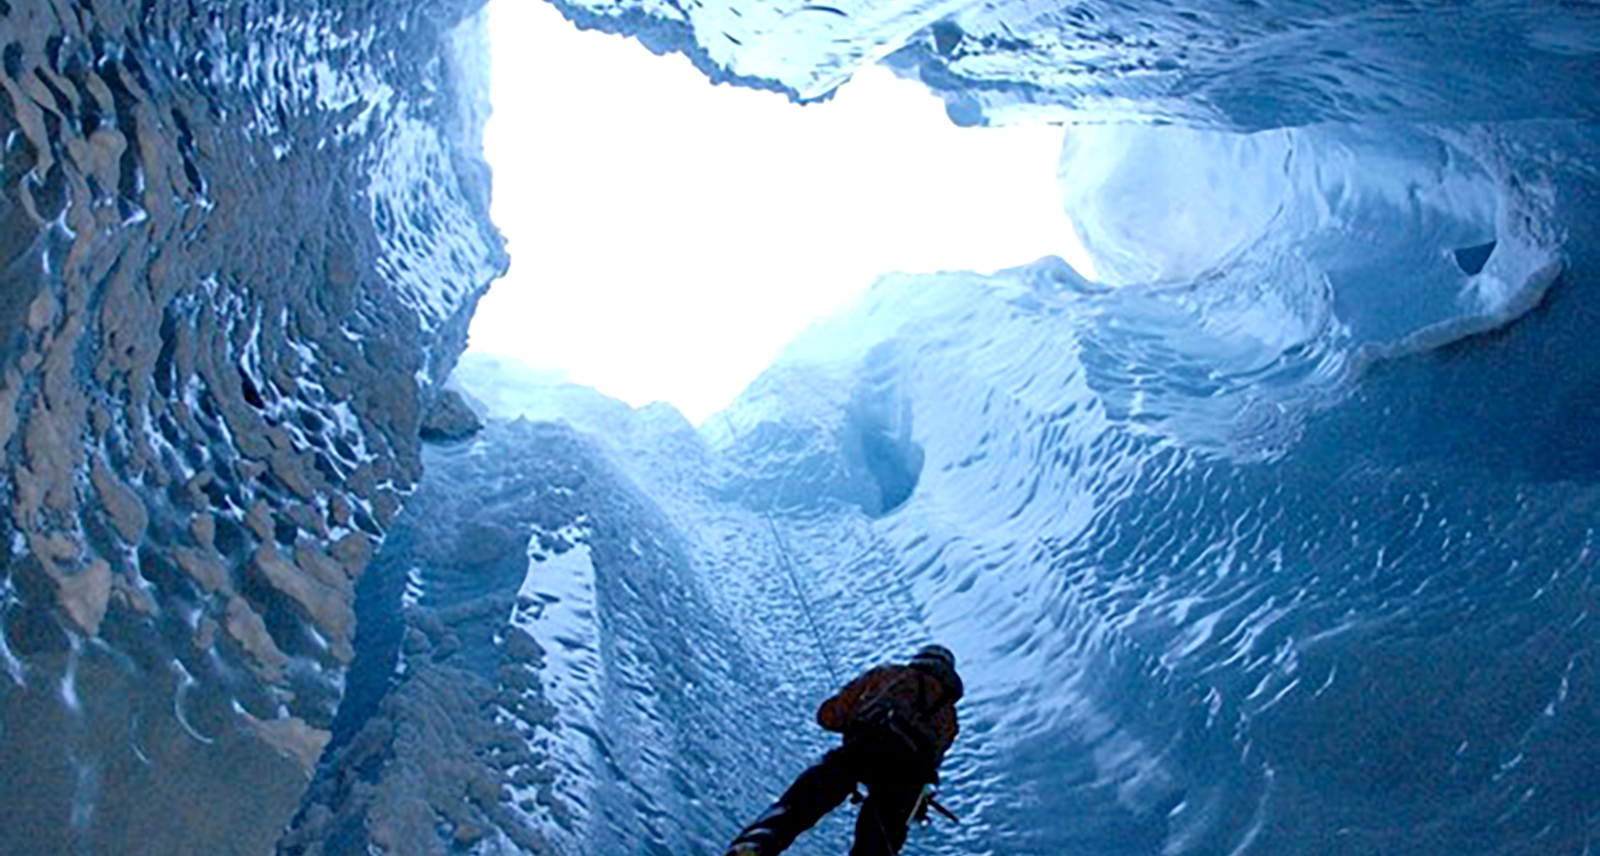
{"x":897,"y":721}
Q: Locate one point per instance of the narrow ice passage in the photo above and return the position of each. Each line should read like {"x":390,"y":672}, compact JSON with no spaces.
{"x":1184,"y":627}
{"x":1276,"y":538}
{"x":1275,"y":535}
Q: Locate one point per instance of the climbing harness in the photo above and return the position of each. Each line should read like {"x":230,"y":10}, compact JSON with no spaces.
{"x":919,"y":813}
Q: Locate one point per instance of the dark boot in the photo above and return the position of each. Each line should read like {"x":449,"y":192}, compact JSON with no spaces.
{"x":818,"y":791}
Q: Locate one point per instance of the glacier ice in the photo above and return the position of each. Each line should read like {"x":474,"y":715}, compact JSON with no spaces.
{"x":1278,"y":540}
{"x":1184,"y":630}
{"x":239,"y":248}
{"x":1382,"y":217}
{"x":1275,"y":539}
{"x":1216,"y":63}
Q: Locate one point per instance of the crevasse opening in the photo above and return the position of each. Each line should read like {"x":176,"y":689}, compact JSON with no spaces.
{"x":650,"y":213}
{"x":1272,"y":531}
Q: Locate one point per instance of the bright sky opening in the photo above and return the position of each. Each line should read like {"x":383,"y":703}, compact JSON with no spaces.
{"x":668,"y":237}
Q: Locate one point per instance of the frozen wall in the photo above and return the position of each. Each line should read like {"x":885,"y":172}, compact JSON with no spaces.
{"x":241,"y":245}
{"x":1216,"y":63}
{"x":1213,"y":591}
{"x":1279,"y":541}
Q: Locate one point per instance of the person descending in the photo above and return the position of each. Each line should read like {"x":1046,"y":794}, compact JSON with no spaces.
{"x":897,"y":722}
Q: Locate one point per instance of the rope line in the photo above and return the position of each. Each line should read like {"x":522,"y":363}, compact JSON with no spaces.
{"x":805,"y":606}
{"x":786,"y":560}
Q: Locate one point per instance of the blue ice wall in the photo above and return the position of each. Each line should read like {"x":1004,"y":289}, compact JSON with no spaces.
{"x":240,"y":244}
{"x":1279,"y":539}
{"x":1325,"y":591}
{"x":1215,"y":63}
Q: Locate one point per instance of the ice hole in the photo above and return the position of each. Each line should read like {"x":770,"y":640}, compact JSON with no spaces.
{"x":669,"y":236}
{"x":1472,"y":259}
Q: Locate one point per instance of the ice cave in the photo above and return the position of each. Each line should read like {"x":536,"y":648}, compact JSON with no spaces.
{"x":1270,"y":533}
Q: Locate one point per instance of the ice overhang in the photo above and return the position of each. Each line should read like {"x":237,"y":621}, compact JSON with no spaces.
{"x":1212,"y":63}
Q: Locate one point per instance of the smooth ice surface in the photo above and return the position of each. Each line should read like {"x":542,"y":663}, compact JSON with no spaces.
{"x":1168,"y":203}
{"x":1358,"y":227}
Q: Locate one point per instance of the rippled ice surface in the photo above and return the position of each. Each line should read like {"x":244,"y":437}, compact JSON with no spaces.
{"x":1211,"y":63}
{"x":1319,"y":577}
{"x":237,"y":240}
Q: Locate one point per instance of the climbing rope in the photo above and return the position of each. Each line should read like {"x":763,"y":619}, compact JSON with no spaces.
{"x":805,"y":605}
{"x":925,"y":800}
{"x":786,"y":559}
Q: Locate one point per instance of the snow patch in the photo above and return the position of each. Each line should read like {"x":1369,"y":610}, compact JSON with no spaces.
{"x":69,"y":680}
{"x":556,"y":606}
{"x":415,"y":587}
{"x":186,"y":682}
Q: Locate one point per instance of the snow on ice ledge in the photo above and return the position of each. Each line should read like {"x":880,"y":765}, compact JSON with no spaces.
{"x":556,"y":606}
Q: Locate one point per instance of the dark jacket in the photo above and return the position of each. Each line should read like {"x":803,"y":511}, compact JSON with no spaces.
{"x":920,"y":699}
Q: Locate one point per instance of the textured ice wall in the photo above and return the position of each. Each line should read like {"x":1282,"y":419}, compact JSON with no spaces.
{"x":240,"y":247}
{"x":1360,"y":625}
{"x":1284,"y":544}
{"x":584,"y":641}
{"x":540,"y":668}
{"x":1245,"y":66}
{"x":1203,"y":605}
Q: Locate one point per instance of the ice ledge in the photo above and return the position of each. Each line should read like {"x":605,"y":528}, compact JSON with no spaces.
{"x":663,"y":28}
{"x":1214,"y":63}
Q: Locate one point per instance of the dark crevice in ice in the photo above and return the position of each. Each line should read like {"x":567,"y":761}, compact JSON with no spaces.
{"x":1472,"y":259}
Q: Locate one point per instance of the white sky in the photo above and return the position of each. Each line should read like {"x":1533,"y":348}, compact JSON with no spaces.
{"x":668,"y":236}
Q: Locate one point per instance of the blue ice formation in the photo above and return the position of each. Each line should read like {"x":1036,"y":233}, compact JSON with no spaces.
{"x":1362,"y":623}
{"x":1277,"y":539}
{"x":1217,"y":63}
{"x":240,"y":245}
{"x":1328,"y":590}
{"x":1236,"y":561}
